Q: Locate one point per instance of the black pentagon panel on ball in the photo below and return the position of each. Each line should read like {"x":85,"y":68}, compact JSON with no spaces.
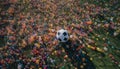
{"x":59,"y":39}
{"x":64,"y":33}
{"x":65,"y":39}
{"x":58,"y":33}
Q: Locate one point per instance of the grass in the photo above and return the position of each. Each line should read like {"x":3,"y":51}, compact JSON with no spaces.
{"x":101,"y":60}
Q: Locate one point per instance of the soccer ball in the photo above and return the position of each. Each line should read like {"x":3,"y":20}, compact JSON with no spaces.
{"x":62,"y":35}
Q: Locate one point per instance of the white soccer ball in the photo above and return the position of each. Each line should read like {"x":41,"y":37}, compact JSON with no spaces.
{"x":62,"y":35}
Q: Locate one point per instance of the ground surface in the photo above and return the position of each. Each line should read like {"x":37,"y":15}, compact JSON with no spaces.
{"x":26,"y":24}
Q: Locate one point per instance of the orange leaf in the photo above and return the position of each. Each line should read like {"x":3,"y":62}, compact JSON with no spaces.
{"x":106,"y":25}
{"x":23,"y":25}
{"x":13,"y":1}
{"x":31,"y":20}
{"x":11,"y":10}
{"x":66,"y":56}
{"x":89,"y":22}
{"x":37,"y":45}
{"x":31,"y":39}
{"x":23,"y":43}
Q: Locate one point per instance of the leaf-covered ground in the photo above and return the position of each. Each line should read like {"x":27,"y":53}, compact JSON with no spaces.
{"x":28,"y":29}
